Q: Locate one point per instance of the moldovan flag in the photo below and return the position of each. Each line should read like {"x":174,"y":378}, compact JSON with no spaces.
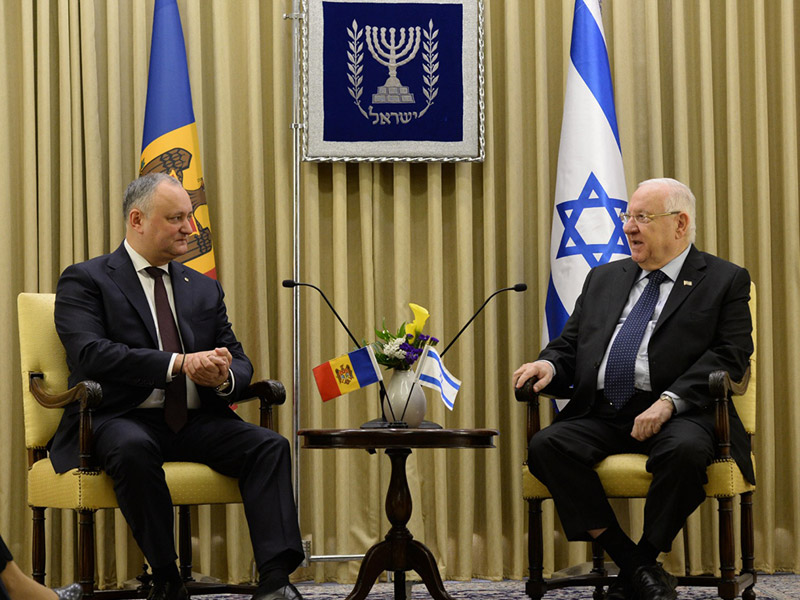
{"x":590,"y":180}
{"x":433,"y":374}
{"x":169,"y":141}
{"x":347,"y":373}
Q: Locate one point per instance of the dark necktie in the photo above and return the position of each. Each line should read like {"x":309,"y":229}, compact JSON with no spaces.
{"x":175,"y":392}
{"x":621,"y":364}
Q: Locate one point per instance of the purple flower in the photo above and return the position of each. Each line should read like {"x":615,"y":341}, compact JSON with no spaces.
{"x":412,"y":353}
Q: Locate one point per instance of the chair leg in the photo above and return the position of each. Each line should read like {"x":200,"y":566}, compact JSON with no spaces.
{"x":185,"y":542}
{"x":536,"y":586}
{"x":38,"y":557}
{"x":748,"y":543}
{"x":727,"y":584}
{"x":86,"y":551}
{"x":598,"y":568}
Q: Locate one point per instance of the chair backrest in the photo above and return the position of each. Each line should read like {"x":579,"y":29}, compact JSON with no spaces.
{"x":40,"y":351}
{"x":746,"y":404}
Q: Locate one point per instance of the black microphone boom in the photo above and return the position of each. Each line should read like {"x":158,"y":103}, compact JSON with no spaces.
{"x":290,"y":283}
{"x":520,"y":287}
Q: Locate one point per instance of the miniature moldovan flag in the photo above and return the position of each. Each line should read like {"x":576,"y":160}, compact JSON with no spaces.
{"x":433,"y":374}
{"x":347,"y":373}
{"x":169,"y":140}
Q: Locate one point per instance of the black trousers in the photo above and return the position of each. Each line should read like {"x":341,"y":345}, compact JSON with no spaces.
{"x":133,"y":448}
{"x":563,"y":455}
{"x":5,"y":555}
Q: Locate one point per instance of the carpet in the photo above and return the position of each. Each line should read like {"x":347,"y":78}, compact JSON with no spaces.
{"x":769,"y":587}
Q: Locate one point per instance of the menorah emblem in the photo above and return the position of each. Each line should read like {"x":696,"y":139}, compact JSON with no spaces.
{"x":393,"y":55}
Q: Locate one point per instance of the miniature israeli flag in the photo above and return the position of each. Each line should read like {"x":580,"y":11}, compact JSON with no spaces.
{"x":433,"y":374}
{"x":590,"y":181}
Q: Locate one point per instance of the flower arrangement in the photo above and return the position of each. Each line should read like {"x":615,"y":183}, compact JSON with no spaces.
{"x":401,"y":350}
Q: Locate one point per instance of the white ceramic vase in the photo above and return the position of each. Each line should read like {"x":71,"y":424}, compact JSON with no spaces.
{"x":397,"y":391}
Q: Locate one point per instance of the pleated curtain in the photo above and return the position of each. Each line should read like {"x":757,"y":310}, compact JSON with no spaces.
{"x":706,"y":92}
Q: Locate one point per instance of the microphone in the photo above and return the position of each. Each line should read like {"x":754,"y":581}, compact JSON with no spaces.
{"x":519,"y":287}
{"x":376,"y":423}
{"x":290,"y":283}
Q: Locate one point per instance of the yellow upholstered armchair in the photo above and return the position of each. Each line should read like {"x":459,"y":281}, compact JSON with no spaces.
{"x":625,"y":476}
{"x":86,"y":489}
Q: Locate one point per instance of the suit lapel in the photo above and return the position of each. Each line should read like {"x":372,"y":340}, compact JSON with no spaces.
{"x":121,"y":271}
{"x":182,"y":294}
{"x":690,"y":276}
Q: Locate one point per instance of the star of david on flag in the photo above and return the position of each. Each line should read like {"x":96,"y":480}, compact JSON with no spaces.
{"x":590,"y":180}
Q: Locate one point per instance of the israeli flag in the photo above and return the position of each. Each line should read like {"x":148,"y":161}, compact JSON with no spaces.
{"x":433,"y":374}
{"x":590,"y":181}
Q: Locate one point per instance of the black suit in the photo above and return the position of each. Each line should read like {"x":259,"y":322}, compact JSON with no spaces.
{"x":104,"y":321}
{"x":705,"y":325}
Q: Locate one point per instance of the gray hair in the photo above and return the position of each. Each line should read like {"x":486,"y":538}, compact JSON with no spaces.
{"x":139,"y":193}
{"x":680,"y":197}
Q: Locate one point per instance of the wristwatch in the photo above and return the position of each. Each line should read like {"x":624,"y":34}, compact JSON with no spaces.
{"x":668,"y":399}
{"x":223,"y":387}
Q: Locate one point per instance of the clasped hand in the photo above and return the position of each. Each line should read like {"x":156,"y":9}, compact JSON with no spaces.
{"x":208,"y":368}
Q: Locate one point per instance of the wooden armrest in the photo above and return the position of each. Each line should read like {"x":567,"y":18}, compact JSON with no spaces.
{"x":88,"y":393}
{"x":269,"y":391}
{"x":721,"y":387}
{"x":526,"y":393}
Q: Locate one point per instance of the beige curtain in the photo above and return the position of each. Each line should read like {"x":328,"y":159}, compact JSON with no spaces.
{"x":706,"y":92}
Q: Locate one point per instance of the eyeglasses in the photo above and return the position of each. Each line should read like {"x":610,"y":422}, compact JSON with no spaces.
{"x":643,"y":219}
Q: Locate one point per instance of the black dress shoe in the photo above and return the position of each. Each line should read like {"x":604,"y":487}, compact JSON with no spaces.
{"x":652,"y":582}
{"x":619,"y":590}
{"x":73,"y":591}
{"x":168,"y":590}
{"x":287,"y":592}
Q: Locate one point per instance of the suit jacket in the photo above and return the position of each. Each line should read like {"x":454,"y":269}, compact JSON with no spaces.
{"x":704,"y":326}
{"x":104,"y":321}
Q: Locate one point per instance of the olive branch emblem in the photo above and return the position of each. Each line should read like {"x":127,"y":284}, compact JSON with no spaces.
{"x":355,"y":55}
{"x":430,"y":56}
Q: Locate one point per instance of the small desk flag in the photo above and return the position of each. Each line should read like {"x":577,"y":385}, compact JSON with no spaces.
{"x":347,"y":373}
{"x":169,"y":141}
{"x":433,"y":374}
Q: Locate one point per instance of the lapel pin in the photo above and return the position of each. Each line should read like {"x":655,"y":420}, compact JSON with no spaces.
{"x":186,"y":279}
{"x":687,"y":282}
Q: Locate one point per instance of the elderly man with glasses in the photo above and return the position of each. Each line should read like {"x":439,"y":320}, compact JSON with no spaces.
{"x":634,"y":359}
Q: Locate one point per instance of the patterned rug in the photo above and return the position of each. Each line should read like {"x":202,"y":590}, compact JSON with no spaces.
{"x":769,"y":587}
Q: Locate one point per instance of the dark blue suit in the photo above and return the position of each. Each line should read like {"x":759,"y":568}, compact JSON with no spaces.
{"x":104,"y":321}
{"x":704,"y":326}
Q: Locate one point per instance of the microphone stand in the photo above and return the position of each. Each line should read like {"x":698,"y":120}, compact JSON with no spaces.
{"x":380,"y":422}
{"x":520,"y":287}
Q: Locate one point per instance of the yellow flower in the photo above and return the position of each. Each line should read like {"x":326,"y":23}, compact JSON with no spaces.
{"x":420,"y":316}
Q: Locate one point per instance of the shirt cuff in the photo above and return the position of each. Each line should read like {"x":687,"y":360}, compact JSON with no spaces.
{"x":681,"y":405}
{"x":169,"y":367}
{"x":230,"y":389}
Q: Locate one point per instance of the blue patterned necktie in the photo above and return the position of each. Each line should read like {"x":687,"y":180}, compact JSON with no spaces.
{"x":621,"y":364}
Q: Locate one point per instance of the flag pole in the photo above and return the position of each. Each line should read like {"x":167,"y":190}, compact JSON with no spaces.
{"x":297,"y":17}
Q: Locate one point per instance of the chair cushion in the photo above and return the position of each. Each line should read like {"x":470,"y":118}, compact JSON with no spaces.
{"x":189,"y":483}
{"x":625,"y":476}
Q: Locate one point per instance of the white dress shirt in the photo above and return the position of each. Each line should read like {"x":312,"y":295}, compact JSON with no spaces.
{"x":156,"y":397}
{"x":642,"y":369}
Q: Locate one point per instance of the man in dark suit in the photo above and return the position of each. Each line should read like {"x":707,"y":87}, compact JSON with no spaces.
{"x":634,"y":357}
{"x":166,"y":388}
